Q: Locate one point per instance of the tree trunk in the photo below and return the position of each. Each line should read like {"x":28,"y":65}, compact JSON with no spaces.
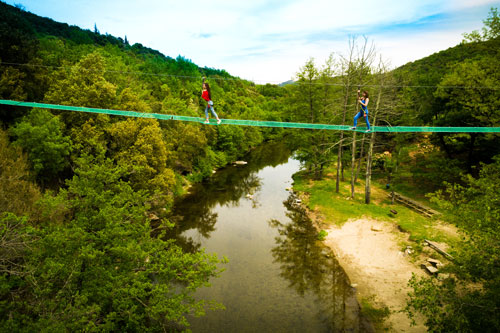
{"x":340,"y":165}
{"x":444,"y":145}
{"x":311,"y":108}
{"x":368,"y":180}
{"x":339,"y":161}
{"x":341,"y":143}
{"x":342,"y":174}
{"x":353,"y":163}
{"x":470,"y":156}
{"x":360,"y":159}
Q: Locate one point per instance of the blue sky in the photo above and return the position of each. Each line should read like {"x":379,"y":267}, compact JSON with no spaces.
{"x":269,"y":40}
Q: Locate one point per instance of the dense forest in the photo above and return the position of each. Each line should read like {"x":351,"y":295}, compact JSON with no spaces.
{"x":82,"y":195}
{"x":84,"y":198}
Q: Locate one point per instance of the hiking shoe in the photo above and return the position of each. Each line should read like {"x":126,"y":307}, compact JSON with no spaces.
{"x":368,"y":131}
{"x":352,"y":128}
{"x":206,"y":121}
{"x":218,"y":121}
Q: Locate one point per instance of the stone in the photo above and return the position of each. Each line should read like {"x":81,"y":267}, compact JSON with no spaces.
{"x":435,"y":262}
{"x":374,"y":228}
{"x":153,"y":217}
{"x":240,"y":162}
{"x":431,"y":269}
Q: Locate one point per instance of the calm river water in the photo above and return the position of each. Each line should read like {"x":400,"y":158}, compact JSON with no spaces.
{"x":279,"y":277}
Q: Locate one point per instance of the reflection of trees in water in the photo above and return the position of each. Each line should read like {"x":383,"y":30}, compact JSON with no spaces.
{"x":225,"y":188}
{"x":309,"y":266}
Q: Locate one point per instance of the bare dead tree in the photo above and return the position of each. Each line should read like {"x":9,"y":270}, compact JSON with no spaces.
{"x":346,"y":74}
{"x":370,"y":148}
{"x":365,"y":58}
{"x":361,"y":156}
{"x":389,"y":110}
{"x":13,"y":244}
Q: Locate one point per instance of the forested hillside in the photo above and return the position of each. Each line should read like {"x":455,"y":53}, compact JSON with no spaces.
{"x":82,"y":194}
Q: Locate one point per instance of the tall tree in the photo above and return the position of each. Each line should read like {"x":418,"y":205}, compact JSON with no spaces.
{"x":386,"y":108}
{"x":309,"y":104}
{"x":475,"y":103}
{"x":84,"y":85}
{"x":346,"y":74}
{"x":100,"y":268}
{"x":40,"y":134}
{"x":491,"y":29}
{"x":364,"y":61}
{"x":468,"y":300}
{"x":17,"y":193}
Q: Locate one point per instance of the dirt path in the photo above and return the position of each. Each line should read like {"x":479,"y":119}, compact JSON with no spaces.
{"x":375,"y":264}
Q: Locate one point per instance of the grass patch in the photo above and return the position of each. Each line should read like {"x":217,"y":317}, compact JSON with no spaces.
{"x":376,"y":315}
{"x":338,"y":208}
{"x":410,"y":190}
{"x":322,"y":235}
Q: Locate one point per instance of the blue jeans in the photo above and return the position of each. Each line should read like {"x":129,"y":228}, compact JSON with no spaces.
{"x":359,"y":115}
{"x":209,"y":105}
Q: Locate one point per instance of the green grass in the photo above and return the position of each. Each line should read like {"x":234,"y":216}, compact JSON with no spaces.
{"x":376,"y":315}
{"x":338,"y":208}
{"x":322,"y":235}
{"x":410,"y":190}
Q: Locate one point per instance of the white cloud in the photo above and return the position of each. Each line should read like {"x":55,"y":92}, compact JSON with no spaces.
{"x":270,"y":39}
{"x":464,"y":4}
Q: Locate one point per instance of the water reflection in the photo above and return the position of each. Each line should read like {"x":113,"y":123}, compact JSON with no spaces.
{"x":224,"y":188}
{"x":279,"y":277}
{"x":309,"y":266}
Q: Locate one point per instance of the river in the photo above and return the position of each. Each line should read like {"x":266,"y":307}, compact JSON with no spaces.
{"x":279,"y":277}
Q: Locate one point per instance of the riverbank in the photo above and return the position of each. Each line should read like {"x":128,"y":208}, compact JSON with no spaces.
{"x":376,"y":267}
{"x":371,"y":244}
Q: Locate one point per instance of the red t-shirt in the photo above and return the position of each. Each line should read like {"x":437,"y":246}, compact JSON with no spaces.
{"x":205,"y":95}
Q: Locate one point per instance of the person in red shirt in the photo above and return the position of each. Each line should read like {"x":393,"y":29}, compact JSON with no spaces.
{"x":205,"y":94}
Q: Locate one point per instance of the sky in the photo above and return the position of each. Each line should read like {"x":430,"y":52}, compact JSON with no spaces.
{"x":267,"y":41}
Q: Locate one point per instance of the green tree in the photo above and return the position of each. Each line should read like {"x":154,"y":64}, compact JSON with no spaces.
{"x":187,"y":144}
{"x":12,"y":84}
{"x":491,"y":29}
{"x":40,"y":134}
{"x":311,"y":102}
{"x":101,"y":270}
{"x":17,"y":192}
{"x":84,"y":85}
{"x":139,"y":146}
{"x":467,"y":301}
{"x":473,"y":105}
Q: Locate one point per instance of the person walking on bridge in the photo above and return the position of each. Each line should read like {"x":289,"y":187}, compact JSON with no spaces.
{"x":205,"y":94}
{"x":363,"y":112}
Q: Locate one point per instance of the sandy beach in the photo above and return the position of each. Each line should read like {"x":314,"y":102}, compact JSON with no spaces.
{"x":369,"y":253}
